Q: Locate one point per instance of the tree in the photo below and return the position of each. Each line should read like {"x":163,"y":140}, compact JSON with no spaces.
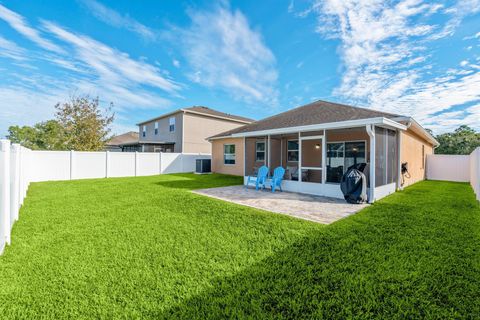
{"x":79,"y":125}
{"x":48,"y":135}
{"x":462,"y":141}
{"x":86,"y":127}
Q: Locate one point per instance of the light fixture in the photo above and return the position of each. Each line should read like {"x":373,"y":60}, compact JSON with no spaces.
{"x":317,"y":146}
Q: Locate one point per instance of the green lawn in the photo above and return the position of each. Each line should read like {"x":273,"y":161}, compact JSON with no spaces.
{"x":148,"y":248}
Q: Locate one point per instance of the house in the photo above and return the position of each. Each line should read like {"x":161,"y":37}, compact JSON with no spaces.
{"x":318,"y":142}
{"x":124,"y":142}
{"x":186,"y":130}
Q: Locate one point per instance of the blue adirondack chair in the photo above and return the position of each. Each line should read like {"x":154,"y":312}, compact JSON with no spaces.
{"x":261,"y":178}
{"x":277,"y":178}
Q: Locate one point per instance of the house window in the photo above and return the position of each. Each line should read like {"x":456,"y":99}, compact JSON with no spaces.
{"x":156,"y":128}
{"x":423,"y":156}
{"x":260,"y":151}
{"x":229,"y":154}
{"x":144,"y":131}
{"x":292,"y":150}
{"x":171,"y":122}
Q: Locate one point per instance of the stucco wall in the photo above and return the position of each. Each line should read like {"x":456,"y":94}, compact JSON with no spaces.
{"x":217,"y":157}
{"x":198,"y":128}
{"x":164,"y":134}
{"x":411,"y":152}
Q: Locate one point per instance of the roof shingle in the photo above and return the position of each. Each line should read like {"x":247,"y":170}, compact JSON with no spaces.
{"x":317,"y":112}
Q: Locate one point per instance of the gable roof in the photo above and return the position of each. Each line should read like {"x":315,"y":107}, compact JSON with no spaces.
{"x":127,"y":137}
{"x":205,"y":111}
{"x":212,"y":112}
{"x":317,"y":112}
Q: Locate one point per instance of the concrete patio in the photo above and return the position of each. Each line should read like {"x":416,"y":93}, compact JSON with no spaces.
{"x":308,"y":207}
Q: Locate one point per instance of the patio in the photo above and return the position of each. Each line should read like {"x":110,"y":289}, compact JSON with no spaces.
{"x":319,"y":209}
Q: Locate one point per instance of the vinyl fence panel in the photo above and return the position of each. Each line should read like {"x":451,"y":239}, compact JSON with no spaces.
{"x":5,"y":226}
{"x":48,"y":165}
{"x":171,"y":163}
{"x":86,"y":165}
{"x":121,"y":164}
{"x":148,"y":164}
{"x":448,"y":167}
{"x":475,"y":171}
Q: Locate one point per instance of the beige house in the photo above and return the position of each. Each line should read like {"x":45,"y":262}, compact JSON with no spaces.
{"x":318,"y":142}
{"x":186,"y":130}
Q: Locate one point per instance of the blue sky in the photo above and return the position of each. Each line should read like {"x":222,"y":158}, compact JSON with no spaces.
{"x":252,"y":58}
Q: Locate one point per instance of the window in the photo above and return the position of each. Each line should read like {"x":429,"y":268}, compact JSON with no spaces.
{"x":423,"y":156}
{"x":229,"y":154}
{"x":341,"y":156}
{"x":292,"y":150}
{"x":144,"y":131}
{"x":156,"y":128}
{"x":171,"y":122}
{"x":260,"y":151}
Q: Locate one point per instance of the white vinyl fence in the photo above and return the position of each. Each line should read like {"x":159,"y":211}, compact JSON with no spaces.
{"x":19,"y":166}
{"x":475,"y":171}
{"x":462,"y":168}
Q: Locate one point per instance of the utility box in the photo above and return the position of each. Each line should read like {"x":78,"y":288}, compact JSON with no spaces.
{"x":203,"y":166}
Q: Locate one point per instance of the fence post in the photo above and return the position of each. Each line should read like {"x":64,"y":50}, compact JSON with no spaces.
{"x":14,"y":183}
{"x":4,"y":193}
{"x":160,"y":163}
{"x":107,"y":164}
{"x":72,"y":162}
{"x":136,"y":163}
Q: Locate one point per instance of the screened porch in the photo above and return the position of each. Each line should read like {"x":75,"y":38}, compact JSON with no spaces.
{"x":315,"y":161}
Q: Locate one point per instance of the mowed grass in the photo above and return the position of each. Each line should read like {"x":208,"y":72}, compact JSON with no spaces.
{"x":149,"y":248}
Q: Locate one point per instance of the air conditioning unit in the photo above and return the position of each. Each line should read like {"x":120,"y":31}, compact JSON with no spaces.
{"x":203,"y":166}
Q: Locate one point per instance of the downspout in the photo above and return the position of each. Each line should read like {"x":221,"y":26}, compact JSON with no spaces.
{"x":371,"y":133}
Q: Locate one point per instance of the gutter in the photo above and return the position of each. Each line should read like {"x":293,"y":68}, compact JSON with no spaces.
{"x":415,"y":125}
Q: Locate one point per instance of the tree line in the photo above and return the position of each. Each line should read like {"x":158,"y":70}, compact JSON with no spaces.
{"x":461,"y":141}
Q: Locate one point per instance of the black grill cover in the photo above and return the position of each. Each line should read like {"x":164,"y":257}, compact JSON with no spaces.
{"x":354,"y":184}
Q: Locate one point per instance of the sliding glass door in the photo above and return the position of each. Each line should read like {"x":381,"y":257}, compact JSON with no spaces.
{"x":343,"y":155}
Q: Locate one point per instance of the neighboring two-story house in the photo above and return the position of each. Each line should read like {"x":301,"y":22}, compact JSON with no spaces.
{"x":186,"y":130}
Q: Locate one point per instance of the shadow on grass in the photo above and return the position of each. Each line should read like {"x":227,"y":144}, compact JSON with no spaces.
{"x":362,"y":267}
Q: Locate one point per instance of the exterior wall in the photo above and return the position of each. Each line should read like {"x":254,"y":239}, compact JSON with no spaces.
{"x":164,"y":135}
{"x":198,"y":128}
{"x":411,"y":152}
{"x":217,"y":156}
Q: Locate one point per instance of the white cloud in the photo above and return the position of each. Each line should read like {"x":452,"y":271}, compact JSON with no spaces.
{"x":18,"y":23}
{"x":383,"y":49}
{"x":93,"y":68}
{"x":115,"y":19}
{"x":11,"y":50}
{"x":110,"y":64}
{"x":225,"y":52}
{"x":176,"y":63}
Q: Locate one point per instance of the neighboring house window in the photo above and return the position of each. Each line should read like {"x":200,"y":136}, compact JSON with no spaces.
{"x":292,"y":150}
{"x":156,"y":128}
{"x":171,"y":121}
{"x":260,"y":151}
{"x":144,"y":131}
{"x":229,"y":154}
